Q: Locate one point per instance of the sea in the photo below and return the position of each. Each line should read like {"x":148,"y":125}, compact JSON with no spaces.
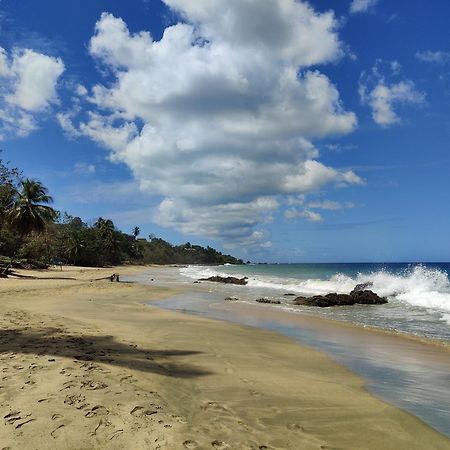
{"x":418,"y":294}
{"x":411,"y":373}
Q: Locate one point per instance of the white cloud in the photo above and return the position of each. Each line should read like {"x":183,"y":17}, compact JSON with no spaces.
{"x":217,"y":117}
{"x":362,"y":6}
{"x":296,"y":200}
{"x":80,"y":90}
{"x":433,"y":57}
{"x":311,"y":216}
{"x":382,"y":93}
{"x":326,"y":204}
{"x":36,"y":77}
{"x":28,"y":87}
{"x":315,"y":175}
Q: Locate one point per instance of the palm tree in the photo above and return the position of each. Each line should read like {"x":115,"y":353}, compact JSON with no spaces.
{"x":136,"y":232}
{"x":30,"y":211}
{"x":75,"y":246}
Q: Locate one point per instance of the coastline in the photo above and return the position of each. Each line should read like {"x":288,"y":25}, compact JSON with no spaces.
{"x":197,"y":383}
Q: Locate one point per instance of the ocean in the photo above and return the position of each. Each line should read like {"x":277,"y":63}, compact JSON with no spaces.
{"x":418,"y":294}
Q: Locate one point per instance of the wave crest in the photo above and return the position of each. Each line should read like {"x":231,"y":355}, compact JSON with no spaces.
{"x":417,"y":286}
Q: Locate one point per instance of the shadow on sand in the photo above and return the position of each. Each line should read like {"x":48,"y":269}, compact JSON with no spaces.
{"x":101,"y":349}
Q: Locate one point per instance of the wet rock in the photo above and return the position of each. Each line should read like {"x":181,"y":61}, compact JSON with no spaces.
{"x":367,"y":297}
{"x":364,"y":297}
{"x":362,"y":287}
{"x":231,"y":299}
{"x":226,"y":280}
{"x":268,"y":300}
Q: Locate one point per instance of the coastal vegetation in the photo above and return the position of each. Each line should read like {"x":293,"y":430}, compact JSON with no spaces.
{"x":33,"y":233}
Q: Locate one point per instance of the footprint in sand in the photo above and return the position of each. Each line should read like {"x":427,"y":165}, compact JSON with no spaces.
{"x":98,"y":410}
{"x":17,"y":420}
{"x":76,"y":400}
{"x":93,"y":385}
{"x":55,"y":433}
{"x":294,"y":427}
{"x":190,"y":444}
{"x":140,"y":411}
{"x":104,"y":423}
{"x":68,"y":385}
{"x":215,"y":407}
{"x":219,"y":445}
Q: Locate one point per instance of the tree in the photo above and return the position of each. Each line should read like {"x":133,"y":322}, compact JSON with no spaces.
{"x":29,"y":211}
{"x":9,"y":178}
{"x":136,"y":232}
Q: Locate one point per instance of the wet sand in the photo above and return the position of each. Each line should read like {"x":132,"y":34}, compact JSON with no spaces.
{"x":87,"y":365}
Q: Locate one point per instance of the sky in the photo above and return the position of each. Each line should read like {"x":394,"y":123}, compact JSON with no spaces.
{"x":274,"y":130}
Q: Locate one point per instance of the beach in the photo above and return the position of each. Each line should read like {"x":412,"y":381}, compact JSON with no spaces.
{"x":91,"y":364}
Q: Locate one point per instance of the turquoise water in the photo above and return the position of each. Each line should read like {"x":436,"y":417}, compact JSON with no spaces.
{"x":418,"y":294}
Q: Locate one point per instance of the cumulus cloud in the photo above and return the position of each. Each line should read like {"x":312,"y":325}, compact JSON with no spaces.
{"x":218,"y":116}
{"x":433,"y":57}
{"x":28,"y":87}
{"x":362,"y":6}
{"x":383,"y":93}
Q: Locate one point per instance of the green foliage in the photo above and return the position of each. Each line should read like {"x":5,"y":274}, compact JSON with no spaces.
{"x":158,"y":251}
{"x":29,"y":211}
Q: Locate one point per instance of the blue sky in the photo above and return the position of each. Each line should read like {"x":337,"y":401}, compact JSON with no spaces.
{"x":276,"y":130}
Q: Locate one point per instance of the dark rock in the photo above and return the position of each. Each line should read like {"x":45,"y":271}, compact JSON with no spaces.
{"x":226,"y":280}
{"x":268,"y":300}
{"x":355,"y":297}
{"x":367,"y":298}
{"x":362,"y":287}
{"x":231,"y":299}
{"x":289,"y":295}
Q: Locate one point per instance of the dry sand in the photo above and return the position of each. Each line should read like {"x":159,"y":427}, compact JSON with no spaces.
{"x":86,"y":365}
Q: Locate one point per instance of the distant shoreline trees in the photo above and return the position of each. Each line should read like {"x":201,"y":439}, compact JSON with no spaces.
{"x":33,"y":232}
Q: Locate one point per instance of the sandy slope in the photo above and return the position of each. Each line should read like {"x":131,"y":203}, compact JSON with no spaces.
{"x":85,"y":365}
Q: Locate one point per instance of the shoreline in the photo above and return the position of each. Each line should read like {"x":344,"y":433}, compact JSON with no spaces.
{"x":224,"y":385}
{"x":426,"y":340}
{"x":402,"y":357}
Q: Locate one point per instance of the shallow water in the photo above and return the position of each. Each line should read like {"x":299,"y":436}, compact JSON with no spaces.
{"x":412,"y":375}
{"x":419,"y":294}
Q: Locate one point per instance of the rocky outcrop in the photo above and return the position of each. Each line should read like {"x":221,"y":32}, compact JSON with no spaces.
{"x":268,"y":300}
{"x":231,"y":299}
{"x":362,"y":287}
{"x":364,"y":297}
{"x":226,"y":280}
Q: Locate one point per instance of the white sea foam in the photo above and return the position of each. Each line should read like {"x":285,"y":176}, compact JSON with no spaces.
{"x":418,"y":286}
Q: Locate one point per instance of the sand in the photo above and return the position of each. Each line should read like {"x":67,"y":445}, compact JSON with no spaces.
{"x":86,"y":365}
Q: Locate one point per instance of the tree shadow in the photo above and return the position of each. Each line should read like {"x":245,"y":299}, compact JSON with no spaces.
{"x":102,"y":349}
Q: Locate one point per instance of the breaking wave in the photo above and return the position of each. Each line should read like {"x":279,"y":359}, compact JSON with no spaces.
{"x":418,"y":286}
